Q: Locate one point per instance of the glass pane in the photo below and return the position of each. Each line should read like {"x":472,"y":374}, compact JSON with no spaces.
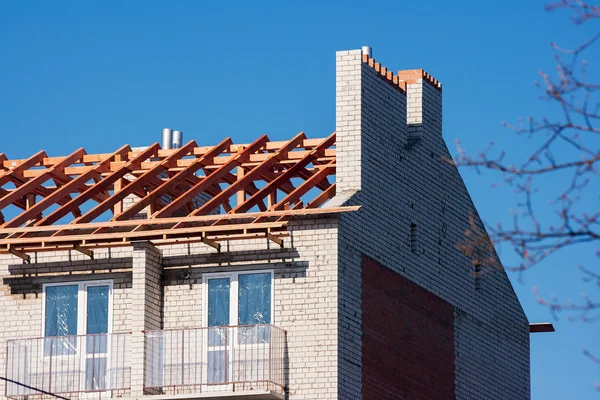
{"x":254,"y":299}
{"x":95,"y":373}
{"x":218,"y":302}
{"x":217,"y":366}
{"x":97,"y":318}
{"x":61,"y":310}
{"x":61,"y":319}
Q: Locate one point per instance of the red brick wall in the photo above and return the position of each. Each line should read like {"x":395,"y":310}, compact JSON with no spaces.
{"x":408,"y":338}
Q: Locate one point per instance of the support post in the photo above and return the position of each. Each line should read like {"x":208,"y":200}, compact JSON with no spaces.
{"x":146,"y":311}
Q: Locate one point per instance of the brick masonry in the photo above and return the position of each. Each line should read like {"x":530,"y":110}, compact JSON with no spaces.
{"x":408,"y":338}
{"x":318,"y":298}
{"x":400,"y":183}
{"x":150,"y":293}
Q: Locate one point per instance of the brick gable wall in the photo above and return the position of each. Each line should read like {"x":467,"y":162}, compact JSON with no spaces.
{"x":401,"y":182}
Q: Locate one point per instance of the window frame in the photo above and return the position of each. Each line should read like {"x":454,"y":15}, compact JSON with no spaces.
{"x":234,"y":294}
{"x":81,"y":303}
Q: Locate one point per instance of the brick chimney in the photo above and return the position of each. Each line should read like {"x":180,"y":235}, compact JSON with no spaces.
{"x":380,"y":114}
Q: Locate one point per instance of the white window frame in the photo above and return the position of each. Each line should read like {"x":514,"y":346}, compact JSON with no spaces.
{"x":234,"y":294}
{"x":81,"y":303}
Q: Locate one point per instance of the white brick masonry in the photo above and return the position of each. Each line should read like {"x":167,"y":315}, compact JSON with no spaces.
{"x":305,"y":295}
{"x":399,"y":185}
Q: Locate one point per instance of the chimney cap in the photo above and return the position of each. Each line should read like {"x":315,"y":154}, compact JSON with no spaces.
{"x":367,"y":50}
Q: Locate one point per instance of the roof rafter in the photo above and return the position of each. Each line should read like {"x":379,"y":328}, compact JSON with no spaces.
{"x":190,"y":194}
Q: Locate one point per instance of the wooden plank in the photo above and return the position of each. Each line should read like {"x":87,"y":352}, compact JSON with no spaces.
{"x":14,"y":168}
{"x":70,"y":187}
{"x":187,"y":173}
{"x":138,"y":234}
{"x":253,"y":161}
{"x":176,"y":220}
{"x":83,"y":250}
{"x":275,"y":239}
{"x":211,"y":243}
{"x":250,"y":176}
{"x":21,"y":254}
{"x":211,"y":180}
{"x":157,"y":242}
{"x":138,"y":183}
{"x":322,"y":197}
{"x":284,"y":177}
{"x":30,"y":185}
{"x":303,"y":188}
{"x":105,"y":184}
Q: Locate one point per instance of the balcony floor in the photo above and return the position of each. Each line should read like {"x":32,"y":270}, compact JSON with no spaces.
{"x":241,"y":395}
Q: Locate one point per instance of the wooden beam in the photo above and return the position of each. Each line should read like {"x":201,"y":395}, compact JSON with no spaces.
{"x":250,"y":176}
{"x":31,"y":185}
{"x":83,"y":250}
{"x":303,"y":188}
{"x":72,"y":186}
{"x":284,"y":177}
{"x":187,"y":173}
{"x":211,"y":243}
{"x":275,"y":239}
{"x":14,"y":168}
{"x":126,"y":236}
{"x":210,"y":180}
{"x":322,"y":197}
{"x":24,"y":256}
{"x":99,"y":187}
{"x":175,"y":220}
{"x":88,"y":159}
{"x":138,"y":183}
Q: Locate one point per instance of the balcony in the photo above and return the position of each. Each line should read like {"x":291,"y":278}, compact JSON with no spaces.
{"x":70,"y":366}
{"x":245,"y":361}
{"x":242,"y":362}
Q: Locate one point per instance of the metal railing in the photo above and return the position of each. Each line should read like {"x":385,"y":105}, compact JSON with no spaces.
{"x":67,"y":365}
{"x":215,"y":359}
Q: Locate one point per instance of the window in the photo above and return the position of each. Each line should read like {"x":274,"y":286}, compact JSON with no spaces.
{"x":477,"y":274}
{"x":82,"y":308}
{"x":245,"y":300}
{"x":239,"y":298}
{"x":414,"y":238}
{"x":79,"y":308}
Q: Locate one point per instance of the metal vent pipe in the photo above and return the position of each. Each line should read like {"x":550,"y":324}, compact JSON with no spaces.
{"x":167,"y":138}
{"x":177,"y":139}
{"x":367,"y":50}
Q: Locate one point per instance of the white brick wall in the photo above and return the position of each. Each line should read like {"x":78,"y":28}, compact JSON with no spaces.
{"x":398,"y":186}
{"x":304,"y":299}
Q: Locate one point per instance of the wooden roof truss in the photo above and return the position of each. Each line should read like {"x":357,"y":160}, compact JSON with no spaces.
{"x":190,"y":194}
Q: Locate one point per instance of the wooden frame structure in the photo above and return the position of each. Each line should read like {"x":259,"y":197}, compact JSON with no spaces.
{"x":192,"y":193}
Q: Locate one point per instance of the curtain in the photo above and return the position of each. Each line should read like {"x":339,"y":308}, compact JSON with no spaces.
{"x":218,"y":302}
{"x":61,"y":318}
{"x":97,"y":318}
{"x":254,"y":299}
{"x":254,"y":307}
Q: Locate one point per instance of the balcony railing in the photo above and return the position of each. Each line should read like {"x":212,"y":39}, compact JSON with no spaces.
{"x":215,"y":359}
{"x":68,"y":365}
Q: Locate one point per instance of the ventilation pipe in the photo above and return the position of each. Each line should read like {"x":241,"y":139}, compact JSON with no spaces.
{"x":367,"y":50}
{"x":167,"y":138}
{"x":177,"y":139}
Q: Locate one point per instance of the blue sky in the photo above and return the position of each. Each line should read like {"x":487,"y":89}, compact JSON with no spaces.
{"x":97,"y":75}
